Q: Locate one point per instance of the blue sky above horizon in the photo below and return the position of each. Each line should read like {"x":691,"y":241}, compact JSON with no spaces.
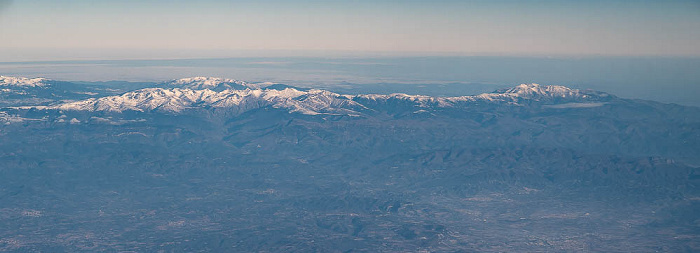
{"x":88,"y":29}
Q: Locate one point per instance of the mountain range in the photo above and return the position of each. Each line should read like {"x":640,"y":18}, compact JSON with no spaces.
{"x":214,"y":164}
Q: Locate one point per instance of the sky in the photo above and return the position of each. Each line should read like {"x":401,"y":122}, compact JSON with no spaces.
{"x":144,"y":29}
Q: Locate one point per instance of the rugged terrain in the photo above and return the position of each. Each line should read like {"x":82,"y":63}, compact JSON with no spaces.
{"x":210,"y":164}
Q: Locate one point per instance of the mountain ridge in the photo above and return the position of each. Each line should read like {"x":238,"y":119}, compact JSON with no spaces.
{"x":203,"y":163}
{"x":23,"y":81}
{"x":180,"y":94}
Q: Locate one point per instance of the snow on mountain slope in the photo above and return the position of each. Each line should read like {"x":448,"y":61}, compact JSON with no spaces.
{"x":514,"y":96}
{"x":22,"y":81}
{"x":212,"y":83}
{"x":238,"y":96}
{"x":541,"y":92}
{"x":177,"y":100}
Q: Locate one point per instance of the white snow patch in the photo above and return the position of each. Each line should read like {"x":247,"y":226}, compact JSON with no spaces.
{"x":32,"y":213}
{"x":22,"y":81}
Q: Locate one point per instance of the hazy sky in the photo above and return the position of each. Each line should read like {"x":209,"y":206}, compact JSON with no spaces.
{"x":77,"y":29}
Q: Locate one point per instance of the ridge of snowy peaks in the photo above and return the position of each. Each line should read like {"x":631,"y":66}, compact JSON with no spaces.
{"x":23,"y":81}
{"x":176,"y":100}
{"x":213,"y":83}
{"x":515,"y":96}
{"x":317,"y":101}
{"x":539,"y":92}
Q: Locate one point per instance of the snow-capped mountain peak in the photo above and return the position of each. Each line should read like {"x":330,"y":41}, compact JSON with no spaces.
{"x":22,"y":81}
{"x":212,"y":83}
{"x":543,"y":93}
{"x":534,"y":90}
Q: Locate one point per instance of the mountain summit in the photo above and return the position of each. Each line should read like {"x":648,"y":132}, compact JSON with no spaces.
{"x":212,"y":83}
{"x":22,"y":81}
{"x":543,"y":92}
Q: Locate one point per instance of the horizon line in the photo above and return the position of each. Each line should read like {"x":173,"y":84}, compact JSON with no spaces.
{"x":339,"y":54}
